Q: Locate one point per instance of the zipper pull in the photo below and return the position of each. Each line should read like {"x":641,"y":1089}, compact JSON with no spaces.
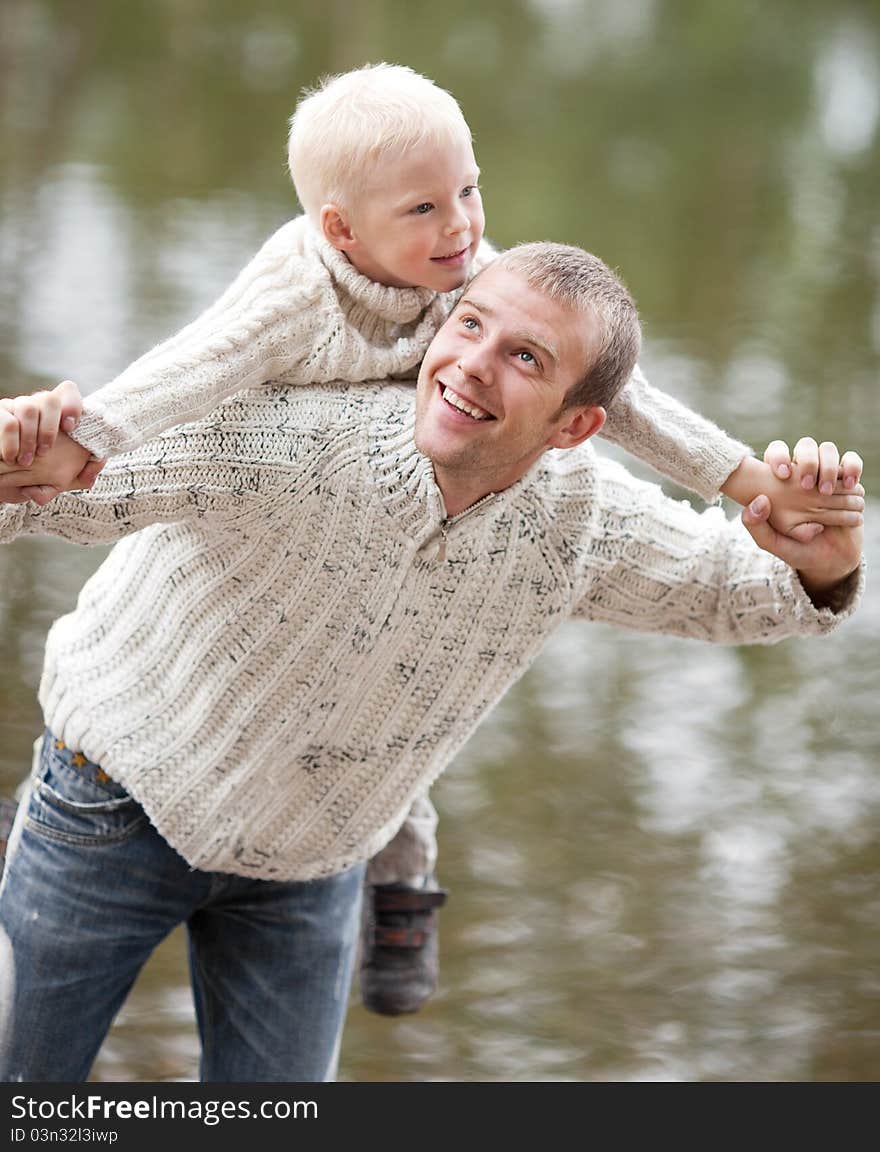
{"x":440,"y":555}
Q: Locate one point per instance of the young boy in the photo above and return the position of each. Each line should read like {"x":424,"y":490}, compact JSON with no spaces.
{"x":354,"y":290}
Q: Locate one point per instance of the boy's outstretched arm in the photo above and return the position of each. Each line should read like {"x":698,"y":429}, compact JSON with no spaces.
{"x":698,"y":455}
{"x":672,"y":438}
{"x":262,"y":326}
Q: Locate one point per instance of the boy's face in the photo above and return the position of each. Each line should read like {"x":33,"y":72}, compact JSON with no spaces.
{"x":419,"y":220}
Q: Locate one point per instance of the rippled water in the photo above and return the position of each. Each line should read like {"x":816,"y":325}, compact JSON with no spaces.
{"x":662,"y":855}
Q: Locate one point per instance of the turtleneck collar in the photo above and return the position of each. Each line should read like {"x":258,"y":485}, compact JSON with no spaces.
{"x":397,"y":305}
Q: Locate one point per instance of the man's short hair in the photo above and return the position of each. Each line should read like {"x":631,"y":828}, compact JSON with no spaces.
{"x":582,"y":282}
{"x":347,"y":125}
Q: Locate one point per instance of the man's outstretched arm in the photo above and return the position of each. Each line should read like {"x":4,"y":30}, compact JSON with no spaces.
{"x":178,"y":477}
{"x":648,"y":563}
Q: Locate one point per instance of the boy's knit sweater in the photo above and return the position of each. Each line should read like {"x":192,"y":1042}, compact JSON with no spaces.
{"x":299,"y":313}
{"x":284,"y":656}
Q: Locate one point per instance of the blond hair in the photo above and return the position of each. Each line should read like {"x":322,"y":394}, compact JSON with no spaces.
{"x":582,"y":283}
{"x":349,"y":123}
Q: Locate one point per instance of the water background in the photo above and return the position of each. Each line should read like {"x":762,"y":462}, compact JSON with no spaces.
{"x":662,"y":856}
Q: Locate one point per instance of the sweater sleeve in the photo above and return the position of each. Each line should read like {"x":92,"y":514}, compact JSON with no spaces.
{"x":654,"y":564}
{"x":686,"y":447}
{"x":260,"y":328}
{"x":201,"y":473}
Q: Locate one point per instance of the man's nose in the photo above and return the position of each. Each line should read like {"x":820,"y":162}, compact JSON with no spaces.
{"x":475,"y":364}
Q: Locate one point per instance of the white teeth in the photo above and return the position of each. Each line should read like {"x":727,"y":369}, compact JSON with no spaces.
{"x":463,"y":406}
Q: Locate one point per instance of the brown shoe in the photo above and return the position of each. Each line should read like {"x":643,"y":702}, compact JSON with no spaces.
{"x":399,"y":955}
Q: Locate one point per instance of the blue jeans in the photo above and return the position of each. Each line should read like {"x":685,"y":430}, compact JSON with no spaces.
{"x":90,"y":889}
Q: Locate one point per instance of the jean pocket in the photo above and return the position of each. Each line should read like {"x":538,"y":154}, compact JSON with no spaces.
{"x":75,"y":802}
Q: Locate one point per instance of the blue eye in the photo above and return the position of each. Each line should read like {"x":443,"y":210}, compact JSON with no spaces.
{"x":470,"y":323}
{"x":423,"y":209}
{"x":527,"y":357}
{"x":470,"y":189}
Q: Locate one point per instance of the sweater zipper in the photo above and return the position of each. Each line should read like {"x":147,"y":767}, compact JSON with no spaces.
{"x":446,"y":524}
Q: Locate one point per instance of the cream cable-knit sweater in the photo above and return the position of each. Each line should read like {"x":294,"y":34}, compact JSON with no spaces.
{"x":281,"y":659}
{"x":299,"y":313}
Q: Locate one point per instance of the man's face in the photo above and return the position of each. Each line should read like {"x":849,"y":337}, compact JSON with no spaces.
{"x":492,"y":384}
{"x":420,"y":219}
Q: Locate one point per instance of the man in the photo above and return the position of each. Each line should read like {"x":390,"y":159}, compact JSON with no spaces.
{"x":319,"y":596}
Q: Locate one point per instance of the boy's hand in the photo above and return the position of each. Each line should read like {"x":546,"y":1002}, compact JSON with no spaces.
{"x":822,"y":563}
{"x":68,"y":468}
{"x":816,"y":465}
{"x":29,"y":425}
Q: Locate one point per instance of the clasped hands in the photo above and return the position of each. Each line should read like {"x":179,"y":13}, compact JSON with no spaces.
{"x":809,"y":512}
{"x":38,"y":460}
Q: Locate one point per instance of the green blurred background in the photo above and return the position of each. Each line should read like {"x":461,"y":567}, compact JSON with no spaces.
{"x":662,"y":856}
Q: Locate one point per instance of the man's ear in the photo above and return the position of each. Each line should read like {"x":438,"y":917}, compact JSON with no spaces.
{"x":335,"y":227}
{"x":579,"y":424}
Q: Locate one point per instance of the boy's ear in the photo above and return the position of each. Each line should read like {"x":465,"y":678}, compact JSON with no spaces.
{"x":578,"y":425}
{"x":335,"y":227}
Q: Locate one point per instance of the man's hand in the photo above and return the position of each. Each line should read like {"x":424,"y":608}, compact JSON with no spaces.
{"x":68,"y":467}
{"x":821,"y":563}
{"x":29,"y":425}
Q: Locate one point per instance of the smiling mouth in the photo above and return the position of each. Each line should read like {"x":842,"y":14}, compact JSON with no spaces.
{"x":461,"y":405}
{"x":452,"y":258}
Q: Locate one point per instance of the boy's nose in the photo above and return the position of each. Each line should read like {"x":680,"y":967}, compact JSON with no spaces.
{"x":458,"y":221}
